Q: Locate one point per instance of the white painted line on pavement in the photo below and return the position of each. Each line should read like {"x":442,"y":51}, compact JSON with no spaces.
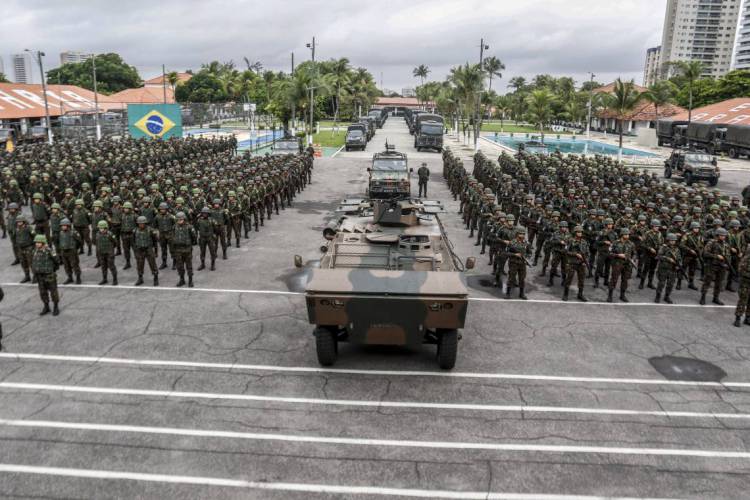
{"x":395,"y":443}
{"x":291,"y":487}
{"x":350,"y":371}
{"x":337,"y":152}
{"x":282,"y":292}
{"x":115,"y":391}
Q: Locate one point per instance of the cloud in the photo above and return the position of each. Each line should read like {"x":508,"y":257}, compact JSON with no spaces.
{"x":389,"y":37}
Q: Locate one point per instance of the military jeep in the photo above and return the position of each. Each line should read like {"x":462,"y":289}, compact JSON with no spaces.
{"x":692,"y":166}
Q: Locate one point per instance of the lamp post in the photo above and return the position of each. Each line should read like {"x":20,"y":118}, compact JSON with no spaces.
{"x":39,"y":54}
{"x":96,"y":100}
{"x":477,"y":126}
{"x":311,"y":46}
{"x":591,"y":98}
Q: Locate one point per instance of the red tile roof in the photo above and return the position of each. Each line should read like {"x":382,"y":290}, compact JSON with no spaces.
{"x":157,"y":80}
{"x":19,"y":100}
{"x":142,"y":95}
{"x":645,"y":112}
{"x":733,"y":111}
{"x":608,"y":89}
{"x":408,"y":102}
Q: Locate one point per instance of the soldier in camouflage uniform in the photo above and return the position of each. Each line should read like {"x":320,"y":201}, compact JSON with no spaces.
{"x":691,"y":245}
{"x":743,"y":302}
{"x":45,"y":264}
{"x":81,"y":223}
{"x":716,"y":255}
{"x":40,"y":215}
{"x":105,"y":252}
{"x":205,"y":226}
{"x":25,"y":243}
{"x":184,"y":239}
{"x":11,"y":223}
{"x":221,"y":218}
{"x":558,"y":242}
{"x":515,"y":253}
{"x":127,"y":226}
{"x":669,"y":266}
{"x":165,"y":223}
{"x":622,"y":253}
{"x":577,"y":255}
{"x":143,"y":237}
{"x":68,"y":243}
{"x":652,"y":241}
{"x":234,"y":210}
{"x":604,"y":241}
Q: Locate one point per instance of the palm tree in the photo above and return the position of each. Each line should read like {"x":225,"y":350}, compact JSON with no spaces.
{"x":493,"y":66}
{"x":517,"y":83}
{"x":469,"y":82}
{"x":3,"y":78}
{"x":421,"y":72}
{"x":540,"y":108}
{"x":623,"y":99}
{"x":691,"y":71}
{"x":256,"y":67}
{"x":504,"y":106}
{"x":172,"y":79}
{"x":339,"y":79}
{"x":659,"y":94}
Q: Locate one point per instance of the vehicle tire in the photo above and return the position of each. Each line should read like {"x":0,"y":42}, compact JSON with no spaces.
{"x":346,"y":149}
{"x":713,"y":182}
{"x":710,"y":150}
{"x":667,"y":173}
{"x":447,"y":349}
{"x":440,"y":150}
{"x":733,"y":153}
{"x":660,"y":142}
{"x":688,"y":179}
{"x":326,"y":345}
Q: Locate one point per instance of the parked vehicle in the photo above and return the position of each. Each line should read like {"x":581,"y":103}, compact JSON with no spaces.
{"x":370,"y":123}
{"x":692,"y":166}
{"x":670,"y":132}
{"x":428,"y":132}
{"x":389,"y":175}
{"x":356,"y":137}
{"x":706,"y":137}
{"x":736,"y":141}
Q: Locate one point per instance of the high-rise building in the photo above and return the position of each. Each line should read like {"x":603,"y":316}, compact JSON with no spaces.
{"x":408,"y":92}
{"x":700,"y":30}
{"x":73,"y":57}
{"x":651,"y":68}
{"x":742,"y":51}
{"x":22,"y":68}
{"x":2,"y":66}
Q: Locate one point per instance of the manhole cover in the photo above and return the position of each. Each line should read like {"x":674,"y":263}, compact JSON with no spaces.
{"x":688,"y":369}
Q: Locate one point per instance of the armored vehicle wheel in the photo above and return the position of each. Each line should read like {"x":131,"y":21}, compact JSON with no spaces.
{"x":733,"y":153}
{"x":326,"y":345}
{"x":447,"y":349}
{"x":688,"y":179}
{"x":667,"y":172}
{"x":714,"y":181}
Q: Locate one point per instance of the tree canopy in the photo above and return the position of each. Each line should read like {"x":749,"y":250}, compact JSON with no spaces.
{"x":112,"y":74}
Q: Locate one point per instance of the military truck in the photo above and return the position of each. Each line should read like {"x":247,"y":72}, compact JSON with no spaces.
{"x":692,"y":166}
{"x":356,"y":137}
{"x":379,"y":117}
{"x":389,"y":175}
{"x":428,"y":132}
{"x":389,"y":276}
{"x":705,"y":136}
{"x":286,"y":146}
{"x":671,"y":132}
{"x":370,"y":124}
{"x":736,"y":141}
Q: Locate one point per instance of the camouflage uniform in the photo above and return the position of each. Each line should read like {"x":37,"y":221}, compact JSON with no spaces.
{"x":622,"y":268}
{"x":69,"y":241}
{"x":515,"y":252}
{"x":716,"y":255}
{"x":669,"y":266}
{"x":143,"y":248}
{"x":184,"y":239}
{"x":743,"y":302}
{"x":44,"y":264}
{"x":577,"y":255}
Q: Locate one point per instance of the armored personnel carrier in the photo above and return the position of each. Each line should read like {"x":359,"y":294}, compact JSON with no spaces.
{"x":388,"y":276}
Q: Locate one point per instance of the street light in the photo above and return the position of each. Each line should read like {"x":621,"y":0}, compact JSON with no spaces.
{"x":482,"y":47}
{"x":96,"y":100}
{"x":311,"y":46}
{"x":39,"y":54}
{"x":591,"y":98}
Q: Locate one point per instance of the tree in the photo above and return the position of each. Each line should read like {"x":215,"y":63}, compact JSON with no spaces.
{"x":622,"y":101}
{"x":112,"y":74}
{"x":659,"y":94}
{"x":504,"y":107}
{"x":468,"y":81}
{"x":493,"y":67}
{"x":517,"y":83}
{"x":421,"y":72}
{"x":3,"y":78}
{"x":540,"y":108}
{"x":691,"y":71}
{"x":172,"y":79}
{"x":204,"y":86}
{"x":339,"y":79}
{"x":256,"y":67}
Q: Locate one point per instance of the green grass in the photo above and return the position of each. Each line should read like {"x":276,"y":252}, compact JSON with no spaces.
{"x":516,"y":129}
{"x":327,"y":138}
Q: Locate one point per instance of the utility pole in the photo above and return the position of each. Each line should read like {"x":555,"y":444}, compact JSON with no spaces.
{"x":311,"y":46}
{"x":96,"y":100}
{"x":164,"y":82}
{"x":477,"y":126}
{"x":39,"y":54}
{"x":591,"y":98}
{"x":294,"y":106}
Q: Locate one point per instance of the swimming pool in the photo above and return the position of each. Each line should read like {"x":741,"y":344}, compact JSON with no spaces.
{"x":567,"y":145}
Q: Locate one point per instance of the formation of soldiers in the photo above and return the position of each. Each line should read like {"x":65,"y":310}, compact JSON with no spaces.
{"x":591,"y":217}
{"x":137,"y":199}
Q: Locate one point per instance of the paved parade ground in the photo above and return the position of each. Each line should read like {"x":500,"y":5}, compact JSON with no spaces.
{"x":216,"y":391}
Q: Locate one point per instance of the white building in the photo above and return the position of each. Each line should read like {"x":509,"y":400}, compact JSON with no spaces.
{"x":702,"y":30}
{"x":408,"y":92}
{"x":73,"y":57}
{"x":22,"y":68}
{"x":651,"y":68}
{"x":2,"y":66}
{"x":742,"y":50}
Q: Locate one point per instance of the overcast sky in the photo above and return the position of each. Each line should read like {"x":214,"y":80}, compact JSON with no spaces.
{"x":560,"y":37}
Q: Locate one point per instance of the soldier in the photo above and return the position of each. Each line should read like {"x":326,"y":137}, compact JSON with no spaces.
{"x":81,"y":223}
{"x":105,"y":251}
{"x":622,"y":252}
{"x":743,"y":302}
{"x":577,"y":251}
{"x":184,"y":239}
{"x":2,"y":296}
{"x":25,"y":243}
{"x":45,"y":264}
{"x":652,"y":241}
{"x":234,"y":210}
{"x":40,"y":214}
{"x":691,"y":245}
{"x":54,"y":225}
{"x":716,"y":255}
{"x":515,"y":252}
{"x":11,"y":223}
{"x":205,"y":227}
{"x":607,"y":236}
{"x":558,"y":242}
{"x":115,"y":221}
{"x":221,"y":218}
{"x":143,"y":238}
{"x":165,"y":223}
{"x":68,"y":243}
{"x":127,"y":226}
{"x":424,"y":175}
{"x":669,"y":266}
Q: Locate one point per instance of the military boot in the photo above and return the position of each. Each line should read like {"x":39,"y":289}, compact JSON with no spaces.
{"x":69,"y":280}
{"x":174,"y":265}
{"x":202,"y":266}
{"x":89,"y":254}
{"x":691,"y":285}
{"x":26,"y":278}
{"x":182,"y":281}
{"x":729,"y":287}
{"x":717,"y":301}
{"x":737,"y":321}
{"x":78,"y":279}
{"x":521,"y":294}
{"x":703,"y":299}
{"x":544,"y":271}
{"x":140,"y":280}
{"x":678,"y":286}
{"x":623,"y":298}
{"x":657,"y":300}
{"x":213,"y":264}
{"x":127,"y":265}
{"x":15,"y":262}
{"x":668,"y":299}
{"x":507,"y":292}
{"x":190,"y":281}
{"x":34,"y":279}
{"x":163,"y":264}
{"x":55,"y":309}
{"x":565,"y":294}
{"x":640,"y":285}
{"x":596,"y":281}
{"x":747,"y":320}
{"x":114,"y":280}
{"x":104,"y":277}
{"x":651,"y":284}
{"x":224,"y":253}
{"x":581,"y":297}
{"x":609,"y":295}
{"x":156,"y":280}
{"x":237,"y":243}
{"x":45,"y":309}
{"x":551,"y":280}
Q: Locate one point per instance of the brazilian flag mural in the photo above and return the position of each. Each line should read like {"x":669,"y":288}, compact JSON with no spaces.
{"x":156,"y":121}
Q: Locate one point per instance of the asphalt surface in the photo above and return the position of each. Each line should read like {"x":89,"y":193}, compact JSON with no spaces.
{"x":215,"y":392}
